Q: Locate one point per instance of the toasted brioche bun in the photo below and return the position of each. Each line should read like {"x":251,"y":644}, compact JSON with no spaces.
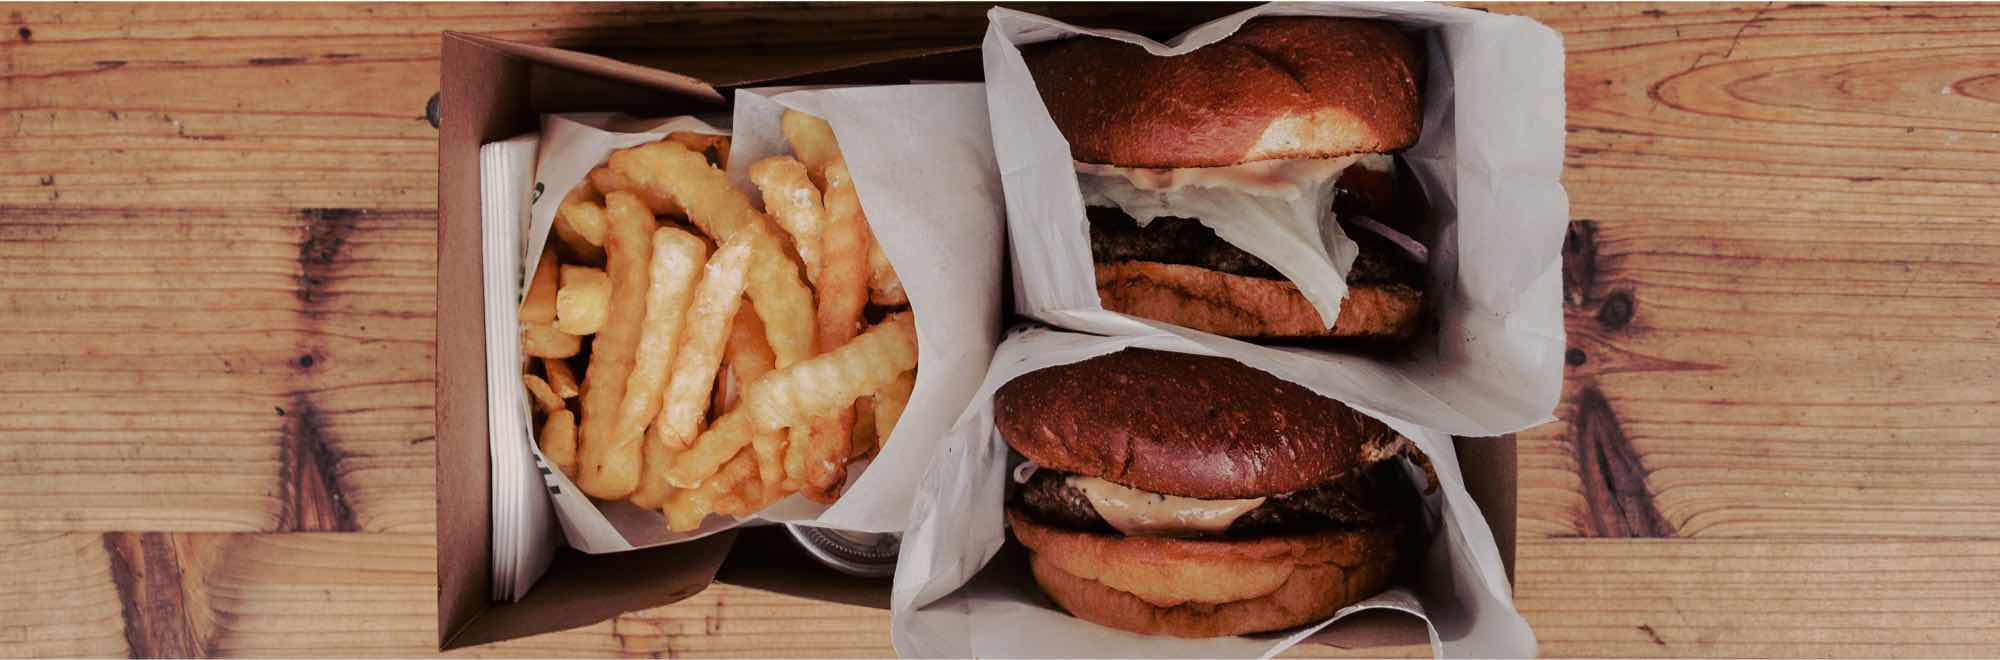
{"x":1252,"y":307}
{"x":1186,"y":425}
{"x":1280,"y":87}
{"x":1206,"y":587}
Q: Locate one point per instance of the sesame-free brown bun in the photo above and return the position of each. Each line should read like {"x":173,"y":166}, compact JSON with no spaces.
{"x":1253,"y":307}
{"x":1187,"y":425}
{"x":1280,"y":87}
{"x":1206,"y":587}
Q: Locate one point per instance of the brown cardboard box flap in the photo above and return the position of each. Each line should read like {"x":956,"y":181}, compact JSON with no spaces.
{"x":474,"y":105}
{"x":581,"y":589}
{"x":598,"y":65}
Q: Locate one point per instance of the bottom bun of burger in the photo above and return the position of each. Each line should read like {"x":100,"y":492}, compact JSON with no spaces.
{"x":1206,"y":587}
{"x":1253,"y":307}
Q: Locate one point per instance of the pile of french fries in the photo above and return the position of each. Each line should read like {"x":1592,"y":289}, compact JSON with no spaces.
{"x":726,"y":361}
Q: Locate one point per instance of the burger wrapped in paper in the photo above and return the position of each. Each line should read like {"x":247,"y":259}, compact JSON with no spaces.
{"x":1209,"y":177}
{"x":1187,"y":495}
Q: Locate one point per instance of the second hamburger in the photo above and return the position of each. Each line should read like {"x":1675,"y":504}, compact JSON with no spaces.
{"x":1186,"y":495}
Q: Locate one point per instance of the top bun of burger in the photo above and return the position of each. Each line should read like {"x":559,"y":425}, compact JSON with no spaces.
{"x":1279,"y":88}
{"x":1185,"y":425}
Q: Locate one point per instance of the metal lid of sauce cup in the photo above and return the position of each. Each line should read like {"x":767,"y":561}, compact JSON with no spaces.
{"x":861,"y":554}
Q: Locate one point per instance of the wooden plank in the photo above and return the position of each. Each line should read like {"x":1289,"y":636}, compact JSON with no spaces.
{"x":1781,"y":281}
{"x":216,"y":291}
{"x":57,"y":597}
{"x":216,"y":369}
{"x":370,"y":594}
{"x":1717,"y":598}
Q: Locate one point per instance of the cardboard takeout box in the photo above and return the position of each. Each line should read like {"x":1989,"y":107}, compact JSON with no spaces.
{"x":494,"y":89}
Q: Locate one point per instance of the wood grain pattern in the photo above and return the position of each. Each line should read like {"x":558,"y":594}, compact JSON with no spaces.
{"x":1787,"y":293}
{"x":371,"y":595}
{"x":215,"y":369}
{"x":217,"y":299}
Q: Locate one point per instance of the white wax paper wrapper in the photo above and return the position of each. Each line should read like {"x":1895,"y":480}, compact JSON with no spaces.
{"x":939,"y":609}
{"x":1488,"y":162}
{"x":922,"y":160}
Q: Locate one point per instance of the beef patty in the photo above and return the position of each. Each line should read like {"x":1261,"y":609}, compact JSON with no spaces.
{"x":1366,"y":495}
{"x":1115,"y":236}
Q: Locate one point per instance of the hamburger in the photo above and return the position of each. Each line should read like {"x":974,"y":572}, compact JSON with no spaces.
{"x":1186,"y":495}
{"x":1286,"y":120}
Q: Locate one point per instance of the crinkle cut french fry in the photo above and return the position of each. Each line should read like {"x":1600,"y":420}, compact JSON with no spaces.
{"x":752,"y":495}
{"x":714,"y":306}
{"x":864,"y":435}
{"x":798,"y":444}
{"x":678,"y":260}
{"x":826,"y":455}
{"x":783,"y":301}
{"x":653,"y":488}
{"x":843,"y":292}
{"x":558,"y":441}
{"x":686,"y":509}
{"x":730,"y":434}
{"x":579,"y":227}
{"x":583,"y":301}
{"x":538,"y":307}
{"x":757,"y":495}
{"x":749,"y":359}
{"x":732,"y":503}
{"x":561,"y":377}
{"x":607,"y":469}
{"x":791,"y":396}
{"x":843,"y":283}
{"x":714,"y":148}
{"x":722,"y":211}
{"x":582,"y":212}
{"x":609,"y":180}
{"x":812,"y":139}
{"x":769,"y":448}
{"x":544,"y":397}
{"x":543,"y":340}
{"x":884,"y":287}
{"x":669,"y":169}
{"x":792,"y":200}
{"x":889,"y":404}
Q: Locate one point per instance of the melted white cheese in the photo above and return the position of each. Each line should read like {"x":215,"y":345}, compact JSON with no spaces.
{"x":1289,"y":179}
{"x":1280,"y":211}
{"x":1137,"y":512}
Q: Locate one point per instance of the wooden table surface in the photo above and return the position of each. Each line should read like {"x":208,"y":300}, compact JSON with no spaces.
{"x":217,"y":243}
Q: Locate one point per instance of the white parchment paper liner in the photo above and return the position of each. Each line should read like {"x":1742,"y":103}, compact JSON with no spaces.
{"x":956,"y":527}
{"x":1488,"y":162}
